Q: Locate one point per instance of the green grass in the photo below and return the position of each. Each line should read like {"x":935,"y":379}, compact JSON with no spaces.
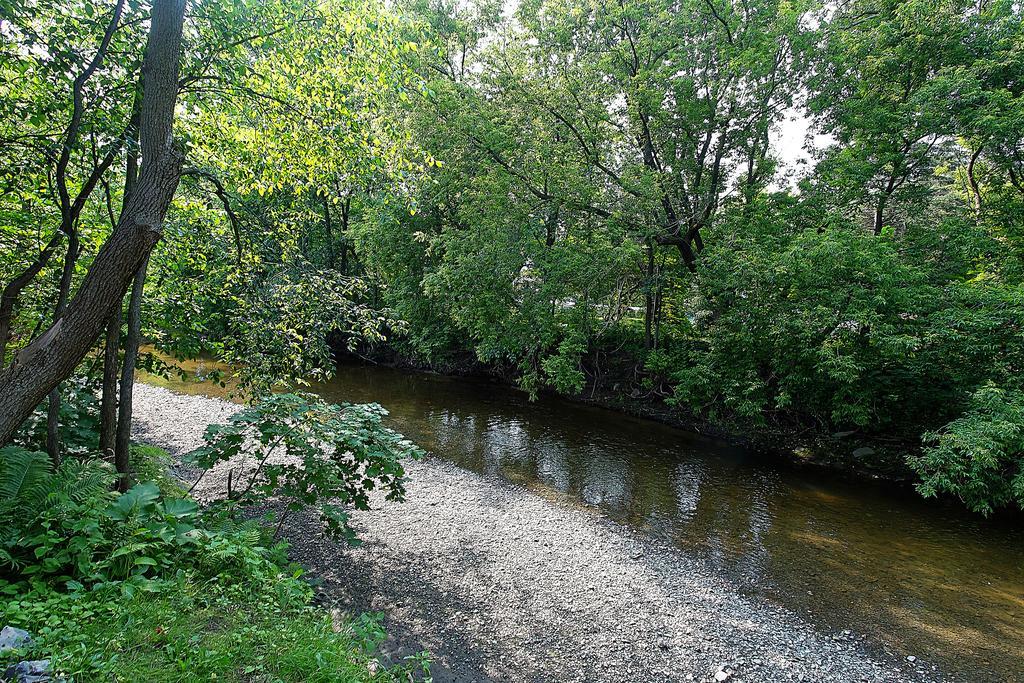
{"x":201,"y":632}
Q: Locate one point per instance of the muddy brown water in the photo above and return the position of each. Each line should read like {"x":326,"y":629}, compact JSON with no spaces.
{"x":915,"y":577}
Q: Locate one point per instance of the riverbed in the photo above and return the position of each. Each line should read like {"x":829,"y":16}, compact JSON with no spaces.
{"x":899,"y":576}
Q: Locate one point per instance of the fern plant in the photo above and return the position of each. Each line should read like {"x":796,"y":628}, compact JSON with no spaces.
{"x":25,"y":478}
{"x":29,"y":486}
{"x":40,"y":506}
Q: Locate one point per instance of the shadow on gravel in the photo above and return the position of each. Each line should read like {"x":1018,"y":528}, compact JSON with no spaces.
{"x":418,"y":614}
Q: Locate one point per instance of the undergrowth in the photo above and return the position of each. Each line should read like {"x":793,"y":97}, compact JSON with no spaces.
{"x":145,"y":586}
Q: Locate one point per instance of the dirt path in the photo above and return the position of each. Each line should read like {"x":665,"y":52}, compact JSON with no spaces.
{"x":502,"y":585}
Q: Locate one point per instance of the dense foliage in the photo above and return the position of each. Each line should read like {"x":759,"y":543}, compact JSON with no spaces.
{"x":616,"y":214}
{"x":872,"y":294}
{"x":144,"y":585}
{"x":599,"y":198}
{"x":277,"y":102}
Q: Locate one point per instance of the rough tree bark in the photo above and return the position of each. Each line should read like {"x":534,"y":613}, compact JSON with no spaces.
{"x":53,"y":356}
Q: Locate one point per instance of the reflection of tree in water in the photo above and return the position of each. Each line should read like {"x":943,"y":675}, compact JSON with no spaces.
{"x":898,"y":568}
{"x":687,"y":480}
{"x":755,"y":560}
{"x":505,"y":442}
{"x":458,"y":436}
{"x":553,"y":468}
{"x":726,"y":517}
{"x":606,"y":479}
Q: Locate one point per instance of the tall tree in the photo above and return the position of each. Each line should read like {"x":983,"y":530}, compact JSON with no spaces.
{"x":52,"y":357}
{"x":872,"y":90}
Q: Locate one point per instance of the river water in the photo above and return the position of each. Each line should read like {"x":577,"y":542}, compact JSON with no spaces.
{"x":916,"y":577}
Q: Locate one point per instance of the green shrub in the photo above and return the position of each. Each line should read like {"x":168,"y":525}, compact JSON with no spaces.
{"x":979,"y":457}
{"x":53,"y":518}
{"x":144,"y":586}
{"x":152,"y":463}
{"x":311,"y":454}
{"x":69,"y":530}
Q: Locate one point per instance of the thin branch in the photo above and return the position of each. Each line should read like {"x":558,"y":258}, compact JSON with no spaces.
{"x":78,"y":110}
{"x":222,"y":195}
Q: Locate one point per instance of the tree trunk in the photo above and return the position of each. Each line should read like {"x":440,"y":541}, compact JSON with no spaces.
{"x":109,"y":405}
{"x":972,"y":180}
{"x":658,"y":301}
{"x":71,"y":210}
{"x":649,"y":299}
{"x":53,"y":427}
{"x":54,"y":355}
{"x":879,"y":220}
{"x":53,"y":409}
{"x":122,"y":445}
{"x":108,"y":402}
{"x":328,"y":232}
{"x":345,"y":208}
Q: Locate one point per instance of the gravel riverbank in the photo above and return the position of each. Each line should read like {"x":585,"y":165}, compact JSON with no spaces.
{"x":500,"y":584}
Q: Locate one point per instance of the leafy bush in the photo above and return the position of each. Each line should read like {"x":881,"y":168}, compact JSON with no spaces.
{"x":978,"y":457}
{"x":53,"y":516}
{"x":151,"y":463}
{"x":813,"y":325}
{"x":70,"y":530}
{"x":283,"y":325}
{"x":311,"y":453}
{"x":139,"y":586}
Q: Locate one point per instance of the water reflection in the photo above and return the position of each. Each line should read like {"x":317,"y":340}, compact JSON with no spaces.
{"x":688,"y":476}
{"x":920,"y":578}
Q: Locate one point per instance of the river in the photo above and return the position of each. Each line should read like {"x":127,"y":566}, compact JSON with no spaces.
{"x":919,"y":578}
